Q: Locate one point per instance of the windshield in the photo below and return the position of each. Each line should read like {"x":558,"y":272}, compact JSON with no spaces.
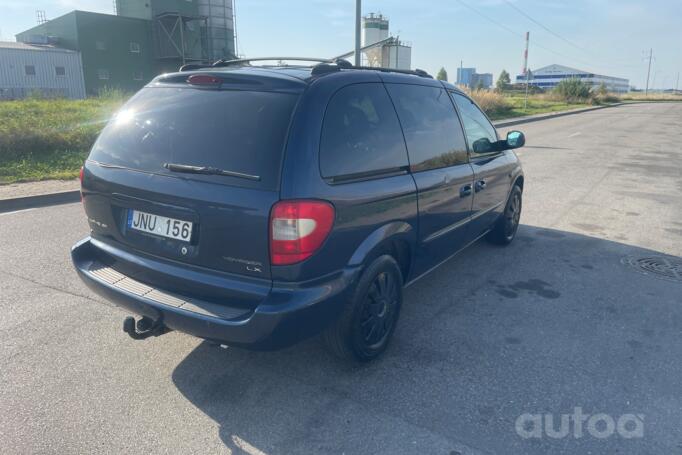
{"x":237,"y":131}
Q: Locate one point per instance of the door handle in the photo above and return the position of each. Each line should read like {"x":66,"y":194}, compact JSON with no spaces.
{"x":465,"y":190}
{"x":480,"y":185}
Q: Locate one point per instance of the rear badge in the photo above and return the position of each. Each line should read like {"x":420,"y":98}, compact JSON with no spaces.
{"x":251,"y":266}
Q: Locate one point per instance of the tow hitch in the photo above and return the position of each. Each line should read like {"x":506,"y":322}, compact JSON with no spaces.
{"x":144,"y":328}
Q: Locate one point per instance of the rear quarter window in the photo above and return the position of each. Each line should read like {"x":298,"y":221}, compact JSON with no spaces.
{"x":361,"y":134}
{"x":234,"y":130}
{"x":432,"y":129}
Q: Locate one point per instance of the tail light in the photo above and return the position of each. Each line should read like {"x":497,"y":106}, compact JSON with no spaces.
{"x":298,"y":229}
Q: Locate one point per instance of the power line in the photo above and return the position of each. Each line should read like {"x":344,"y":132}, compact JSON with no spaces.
{"x":489,"y":19}
{"x":513,"y":32}
{"x":524,"y":14}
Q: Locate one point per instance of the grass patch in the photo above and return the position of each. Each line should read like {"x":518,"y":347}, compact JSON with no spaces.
{"x":56,"y":165}
{"x":537,"y":104}
{"x":49,"y":138}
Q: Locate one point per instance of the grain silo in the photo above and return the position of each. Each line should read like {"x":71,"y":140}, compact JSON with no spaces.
{"x":392,"y":53}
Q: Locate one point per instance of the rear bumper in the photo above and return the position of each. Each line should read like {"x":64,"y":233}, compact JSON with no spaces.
{"x":289,"y":313}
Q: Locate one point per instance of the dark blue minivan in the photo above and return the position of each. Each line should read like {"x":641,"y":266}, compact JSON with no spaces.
{"x":256,"y":206}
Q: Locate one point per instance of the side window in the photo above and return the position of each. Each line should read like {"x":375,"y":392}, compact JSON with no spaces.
{"x":480,"y":133}
{"x":432,"y":131}
{"x":361,"y":133}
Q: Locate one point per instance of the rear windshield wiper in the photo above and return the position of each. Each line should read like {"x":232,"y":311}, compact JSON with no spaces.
{"x":207,"y":170}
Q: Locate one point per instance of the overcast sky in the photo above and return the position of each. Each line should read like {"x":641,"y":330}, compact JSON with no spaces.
{"x":603,"y":36}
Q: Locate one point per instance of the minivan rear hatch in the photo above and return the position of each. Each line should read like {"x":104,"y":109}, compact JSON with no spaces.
{"x":190,"y":172}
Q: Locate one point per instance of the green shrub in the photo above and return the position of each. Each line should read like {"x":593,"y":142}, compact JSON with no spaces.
{"x":573,"y":90}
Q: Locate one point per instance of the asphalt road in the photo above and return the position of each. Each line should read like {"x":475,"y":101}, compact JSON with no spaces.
{"x":554,"y":322}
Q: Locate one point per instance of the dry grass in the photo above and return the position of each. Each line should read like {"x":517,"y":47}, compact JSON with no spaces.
{"x":494,"y":104}
{"x":640,"y":96}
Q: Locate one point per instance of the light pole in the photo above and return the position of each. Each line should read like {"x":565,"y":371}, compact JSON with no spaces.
{"x":648,"y":73}
{"x":358,"y":20}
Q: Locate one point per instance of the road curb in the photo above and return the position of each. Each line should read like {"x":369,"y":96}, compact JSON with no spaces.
{"x":520,"y":121}
{"x":41,"y":200}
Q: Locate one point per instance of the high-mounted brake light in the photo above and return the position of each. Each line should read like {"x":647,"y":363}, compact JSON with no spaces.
{"x":298,"y":229}
{"x":204,"y":79}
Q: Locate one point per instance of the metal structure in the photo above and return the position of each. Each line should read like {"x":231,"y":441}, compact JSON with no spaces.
{"x":181,"y":37}
{"x":40,"y":16}
{"x":378,"y":48}
{"x":220,"y":36}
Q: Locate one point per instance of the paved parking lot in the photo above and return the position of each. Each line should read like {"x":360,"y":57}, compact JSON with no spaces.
{"x":557,"y":321}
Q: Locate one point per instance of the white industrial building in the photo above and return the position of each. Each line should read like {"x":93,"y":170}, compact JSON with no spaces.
{"x":43,"y":69}
{"x":549,"y":76}
{"x":391,"y":53}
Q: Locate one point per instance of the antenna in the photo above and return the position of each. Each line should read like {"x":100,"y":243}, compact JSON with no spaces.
{"x":40,"y":16}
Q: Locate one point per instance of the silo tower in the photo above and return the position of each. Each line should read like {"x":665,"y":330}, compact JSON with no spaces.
{"x":374,"y":29}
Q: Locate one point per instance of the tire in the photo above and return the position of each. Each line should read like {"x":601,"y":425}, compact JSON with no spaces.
{"x":507,"y":224}
{"x":367,"y":323}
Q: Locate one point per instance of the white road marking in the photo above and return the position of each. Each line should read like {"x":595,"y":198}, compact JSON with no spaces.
{"x":575,"y":134}
{"x":17,"y":211}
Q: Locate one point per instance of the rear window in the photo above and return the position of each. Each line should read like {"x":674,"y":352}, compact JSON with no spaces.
{"x":238,"y":131}
{"x":361,"y":134}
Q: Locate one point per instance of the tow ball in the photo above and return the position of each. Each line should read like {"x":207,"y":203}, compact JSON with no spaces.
{"x":144,"y":328}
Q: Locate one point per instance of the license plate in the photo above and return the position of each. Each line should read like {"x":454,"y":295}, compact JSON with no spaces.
{"x":160,"y":225}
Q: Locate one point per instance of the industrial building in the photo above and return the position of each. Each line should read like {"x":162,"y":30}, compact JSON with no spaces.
{"x":39,"y":69}
{"x":388,"y":51}
{"x":549,"y":76}
{"x":143,"y":39}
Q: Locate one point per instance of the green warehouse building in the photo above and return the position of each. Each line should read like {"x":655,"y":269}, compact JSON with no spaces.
{"x":144,"y":38}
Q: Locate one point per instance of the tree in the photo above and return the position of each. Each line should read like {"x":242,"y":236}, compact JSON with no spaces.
{"x":602,"y":90}
{"x":442,"y":75}
{"x":503,"y":81}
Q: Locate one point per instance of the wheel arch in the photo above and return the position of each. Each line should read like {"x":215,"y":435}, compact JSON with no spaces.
{"x":396,"y":238}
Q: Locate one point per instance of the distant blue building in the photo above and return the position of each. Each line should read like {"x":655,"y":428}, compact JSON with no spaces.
{"x":549,"y":76}
{"x":464,"y":75}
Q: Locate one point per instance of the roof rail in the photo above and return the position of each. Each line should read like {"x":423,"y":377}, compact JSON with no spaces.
{"x":324,"y":65}
{"x":247,"y":61}
{"x":324,"y":68}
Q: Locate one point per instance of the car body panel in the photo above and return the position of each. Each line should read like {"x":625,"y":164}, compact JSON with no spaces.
{"x":230,"y":291}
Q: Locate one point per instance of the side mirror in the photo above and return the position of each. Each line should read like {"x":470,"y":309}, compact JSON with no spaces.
{"x":515,"y":139}
{"x":482,"y":145}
